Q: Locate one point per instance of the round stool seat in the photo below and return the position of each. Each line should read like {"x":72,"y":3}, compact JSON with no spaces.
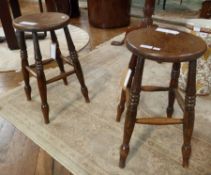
{"x":165,"y":45}
{"x":41,"y":21}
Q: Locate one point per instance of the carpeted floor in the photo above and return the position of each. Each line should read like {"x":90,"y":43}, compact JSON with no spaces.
{"x":10,"y":59}
{"x":85,"y":137}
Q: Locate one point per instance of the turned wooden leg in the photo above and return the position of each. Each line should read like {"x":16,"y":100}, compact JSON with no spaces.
{"x":189,"y":113}
{"x":24,"y":63}
{"x":173,"y":85}
{"x":76,"y":64}
{"x":58,"y":55}
{"x":131,"y":111}
{"x":121,"y":105}
{"x":41,"y":80}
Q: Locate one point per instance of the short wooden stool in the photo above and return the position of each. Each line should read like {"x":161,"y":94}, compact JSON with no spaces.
{"x":161,"y":45}
{"x":43,"y":22}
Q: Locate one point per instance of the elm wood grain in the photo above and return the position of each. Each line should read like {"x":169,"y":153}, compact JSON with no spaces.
{"x":43,"y":22}
{"x":172,"y":49}
{"x":59,"y":77}
{"x":109,"y":14}
{"x":154,"y":88}
{"x":159,"y":121}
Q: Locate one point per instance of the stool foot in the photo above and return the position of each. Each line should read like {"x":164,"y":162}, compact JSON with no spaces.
{"x":120,"y":110}
{"x":169,"y":112}
{"x":65,"y":81}
{"x":84,"y":91}
{"x":28,"y":93}
{"x":45,"y":111}
{"x":186,"y":152}
{"x":124,"y":150}
{"x":173,"y":85}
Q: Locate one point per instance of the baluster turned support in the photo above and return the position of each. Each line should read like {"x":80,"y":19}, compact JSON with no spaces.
{"x":76,"y":64}
{"x":41,"y":80}
{"x":189,"y":113}
{"x":121,"y":106}
{"x":131,"y":111}
{"x":173,"y":85}
{"x":24,"y":62}
{"x":58,"y":55}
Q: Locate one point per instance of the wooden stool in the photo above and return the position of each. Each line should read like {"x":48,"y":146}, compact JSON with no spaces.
{"x":43,"y":22}
{"x":161,"y":45}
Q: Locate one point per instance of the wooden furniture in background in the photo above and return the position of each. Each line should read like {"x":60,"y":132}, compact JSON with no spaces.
{"x":148,"y":11}
{"x":206,"y":9}
{"x":69,"y":7}
{"x":164,"y":3}
{"x":109,"y":13}
{"x":161,"y":45}
{"x":7,"y":22}
{"x":44,"y":22}
{"x":6,"y":19}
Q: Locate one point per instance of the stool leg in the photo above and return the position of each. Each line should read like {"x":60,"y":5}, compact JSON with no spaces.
{"x":131,"y":111}
{"x":41,"y":80}
{"x":76,"y":64}
{"x":121,"y":105}
{"x":173,"y":85}
{"x":189,"y":113}
{"x":24,"y":63}
{"x":58,"y":55}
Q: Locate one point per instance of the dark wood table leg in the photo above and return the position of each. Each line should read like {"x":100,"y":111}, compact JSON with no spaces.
{"x":146,"y":21}
{"x":69,"y":7}
{"x":7,"y":25}
{"x":15,"y":7}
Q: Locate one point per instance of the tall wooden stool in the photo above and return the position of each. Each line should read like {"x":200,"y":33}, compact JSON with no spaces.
{"x":44,"y":22}
{"x":161,"y":45}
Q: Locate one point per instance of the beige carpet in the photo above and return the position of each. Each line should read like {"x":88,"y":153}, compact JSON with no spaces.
{"x":10,"y":60}
{"x":85,"y":137}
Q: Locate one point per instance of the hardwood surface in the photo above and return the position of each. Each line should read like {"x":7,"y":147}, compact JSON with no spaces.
{"x":18,"y":154}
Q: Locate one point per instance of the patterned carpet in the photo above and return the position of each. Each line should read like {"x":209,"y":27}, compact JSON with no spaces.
{"x":85,"y":137}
